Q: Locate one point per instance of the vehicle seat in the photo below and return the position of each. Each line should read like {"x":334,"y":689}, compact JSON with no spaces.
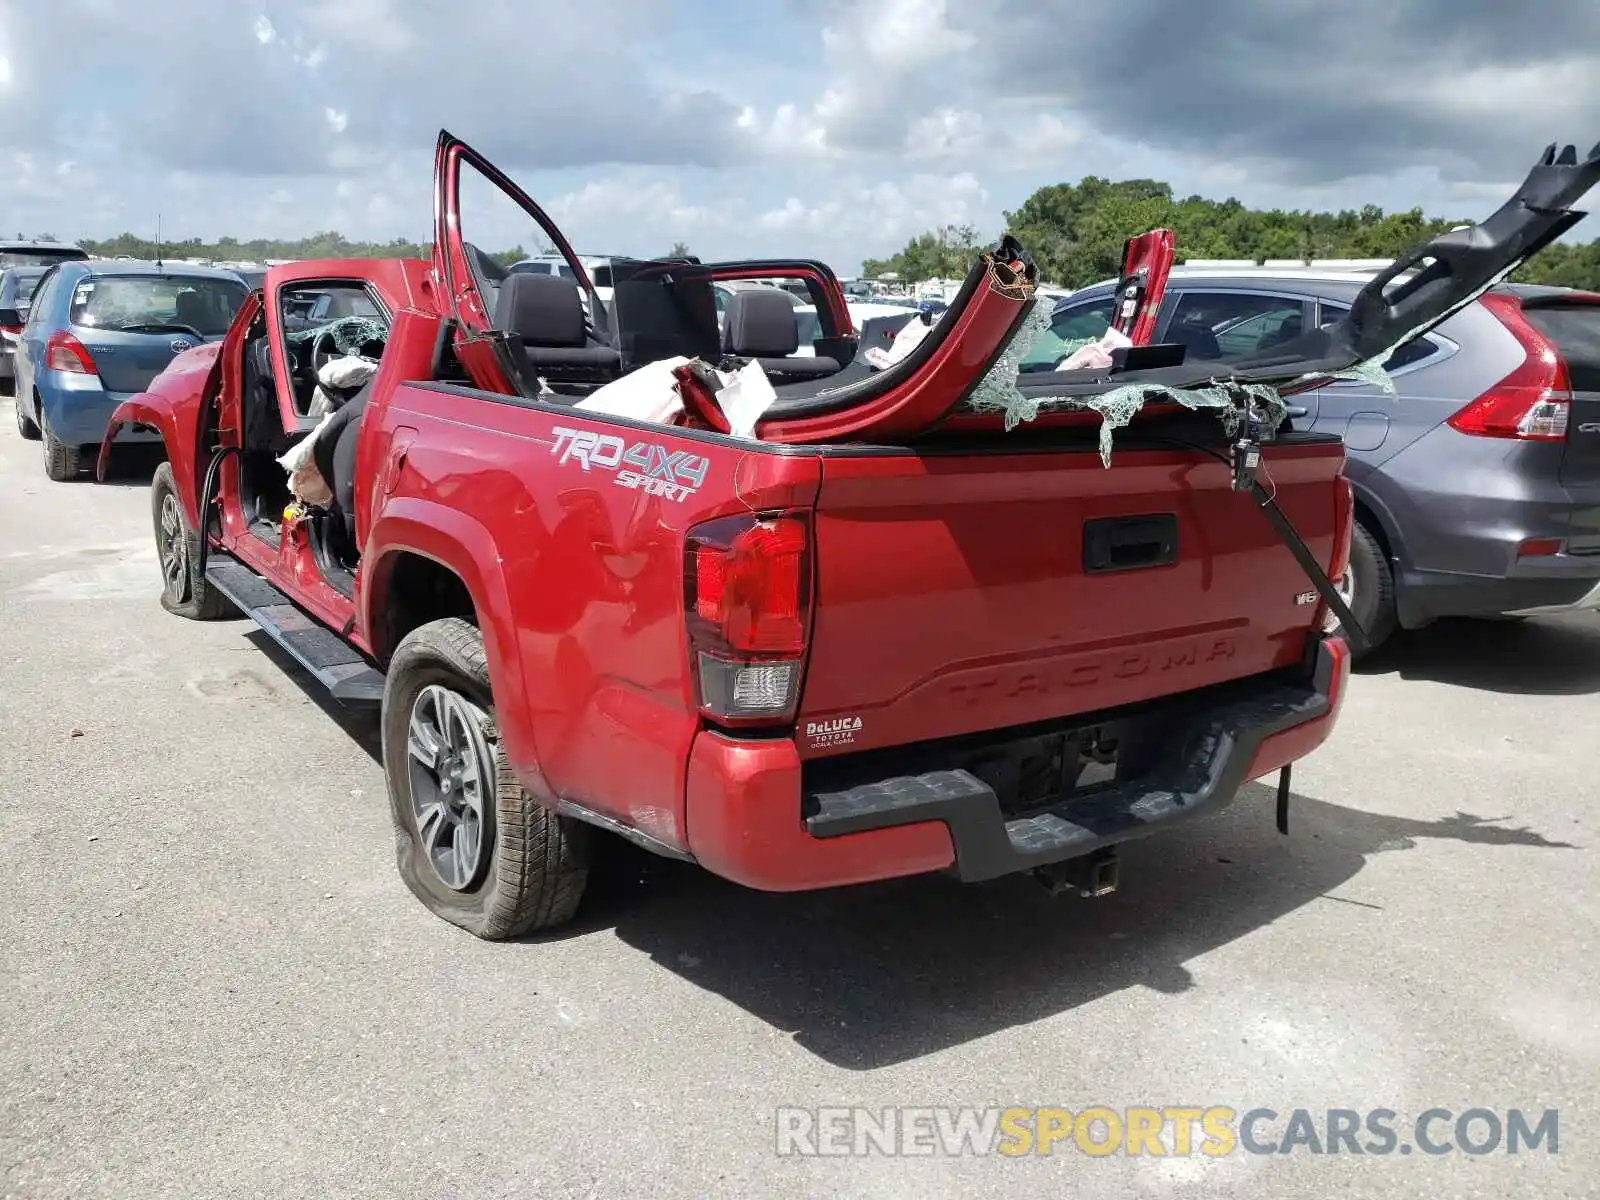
{"x":192,"y":311}
{"x":1197,"y":340}
{"x":1290,"y":328}
{"x":761,"y":325}
{"x":334,"y":452}
{"x":542,"y":316}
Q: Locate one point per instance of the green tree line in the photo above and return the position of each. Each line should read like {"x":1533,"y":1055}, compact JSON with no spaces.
{"x":1076,"y":231}
{"x":327,"y":244}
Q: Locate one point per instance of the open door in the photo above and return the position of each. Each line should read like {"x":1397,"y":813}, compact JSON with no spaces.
{"x":483,"y":224}
{"x":1146,"y":263}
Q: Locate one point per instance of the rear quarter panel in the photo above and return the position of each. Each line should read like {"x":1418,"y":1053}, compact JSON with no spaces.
{"x":171,"y":405}
{"x":578,"y":580}
{"x":1425,"y":483}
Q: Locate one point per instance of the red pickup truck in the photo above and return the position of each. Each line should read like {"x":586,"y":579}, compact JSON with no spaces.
{"x":884,"y":636}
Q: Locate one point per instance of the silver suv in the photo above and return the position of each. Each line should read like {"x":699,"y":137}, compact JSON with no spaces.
{"x":1478,"y":485}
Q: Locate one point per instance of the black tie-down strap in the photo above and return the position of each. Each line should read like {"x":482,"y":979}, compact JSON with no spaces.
{"x":1349,"y":626}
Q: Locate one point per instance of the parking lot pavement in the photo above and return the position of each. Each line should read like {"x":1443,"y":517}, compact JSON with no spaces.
{"x":213,"y":982}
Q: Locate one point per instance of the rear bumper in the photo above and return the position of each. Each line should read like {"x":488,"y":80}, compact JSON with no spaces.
{"x":1426,"y":595}
{"x":1463,"y":507}
{"x":1588,"y":602}
{"x":751,"y":820}
{"x":79,"y":409}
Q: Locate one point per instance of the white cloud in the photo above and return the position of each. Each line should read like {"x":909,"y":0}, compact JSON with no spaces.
{"x":837,"y":129}
{"x":948,"y":133}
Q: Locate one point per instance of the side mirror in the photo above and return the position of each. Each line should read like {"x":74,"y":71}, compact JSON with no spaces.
{"x":12,"y":317}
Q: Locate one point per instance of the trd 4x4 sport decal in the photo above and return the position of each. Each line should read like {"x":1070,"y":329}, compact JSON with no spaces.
{"x":643,"y":466}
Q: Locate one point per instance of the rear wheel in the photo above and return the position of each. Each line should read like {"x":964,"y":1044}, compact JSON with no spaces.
{"x":25,"y":423}
{"x":1368,"y":588}
{"x":183,"y":591}
{"x":61,"y":460}
{"x":470,"y":842}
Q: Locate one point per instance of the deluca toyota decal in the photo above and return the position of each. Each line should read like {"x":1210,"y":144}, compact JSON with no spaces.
{"x":643,"y":466}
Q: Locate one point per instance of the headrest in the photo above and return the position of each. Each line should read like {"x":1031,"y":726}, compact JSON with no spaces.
{"x":191,"y":309}
{"x":760,"y":324}
{"x":545,"y":310}
{"x":1197,"y":340}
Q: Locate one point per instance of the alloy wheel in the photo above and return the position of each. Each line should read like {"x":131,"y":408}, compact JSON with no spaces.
{"x":174,"y":547}
{"x":1346,"y":587}
{"x":452,"y":775}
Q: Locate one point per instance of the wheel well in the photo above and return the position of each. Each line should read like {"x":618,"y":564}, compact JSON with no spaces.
{"x":1369,"y":521}
{"x":418,"y":590}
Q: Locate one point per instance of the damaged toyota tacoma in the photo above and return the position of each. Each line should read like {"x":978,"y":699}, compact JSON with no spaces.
{"x":911,"y":613}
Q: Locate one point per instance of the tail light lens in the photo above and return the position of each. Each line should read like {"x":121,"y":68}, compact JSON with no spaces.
{"x":1344,"y":528}
{"x":63,"y":352}
{"x":747,"y":605}
{"x":13,"y":330}
{"x":1533,"y":402}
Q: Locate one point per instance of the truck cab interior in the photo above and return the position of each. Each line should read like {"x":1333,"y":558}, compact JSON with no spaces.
{"x":318,"y":323}
{"x":559,"y":347}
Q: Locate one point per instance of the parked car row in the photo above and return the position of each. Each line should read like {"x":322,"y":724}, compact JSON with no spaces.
{"x":89,"y":334}
{"x":1477,"y":482}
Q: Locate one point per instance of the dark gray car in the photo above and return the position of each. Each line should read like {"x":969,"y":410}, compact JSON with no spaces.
{"x":16,"y":293}
{"x":1478,"y":485}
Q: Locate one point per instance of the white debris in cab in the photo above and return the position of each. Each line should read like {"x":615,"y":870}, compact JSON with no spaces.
{"x":647,"y":394}
{"x":1095,"y":355}
{"x":907,"y":340}
{"x":305,"y":481}
{"x":337,"y":380}
{"x":651,"y":394}
{"x":746,"y":394}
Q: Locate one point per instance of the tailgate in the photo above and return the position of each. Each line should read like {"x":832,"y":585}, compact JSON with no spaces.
{"x":1573,"y":324}
{"x":965,"y":592}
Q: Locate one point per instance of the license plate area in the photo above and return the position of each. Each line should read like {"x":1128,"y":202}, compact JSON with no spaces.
{"x":1051,"y":769}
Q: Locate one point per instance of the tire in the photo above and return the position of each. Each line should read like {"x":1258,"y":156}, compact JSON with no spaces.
{"x":512,"y":866}
{"x":1370,"y":588}
{"x":61,"y":461}
{"x":183,"y":591}
{"x":25,"y":424}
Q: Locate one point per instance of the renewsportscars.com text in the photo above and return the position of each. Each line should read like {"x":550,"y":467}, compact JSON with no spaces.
{"x":1170,"y":1130}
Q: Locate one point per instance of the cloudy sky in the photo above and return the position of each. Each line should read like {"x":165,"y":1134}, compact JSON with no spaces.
{"x":828,"y":128}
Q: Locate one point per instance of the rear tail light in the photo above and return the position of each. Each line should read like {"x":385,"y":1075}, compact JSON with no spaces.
{"x":1540,"y":547}
{"x":1344,"y":528}
{"x":747,"y":605}
{"x":63,"y":352}
{"x":1534,"y":401}
{"x":13,"y":330}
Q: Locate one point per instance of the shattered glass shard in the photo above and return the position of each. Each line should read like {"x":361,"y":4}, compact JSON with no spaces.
{"x":1227,"y":399}
{"x":348,"y":334}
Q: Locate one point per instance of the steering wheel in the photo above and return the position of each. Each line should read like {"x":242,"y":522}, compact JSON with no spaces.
{"x":322,"y":351}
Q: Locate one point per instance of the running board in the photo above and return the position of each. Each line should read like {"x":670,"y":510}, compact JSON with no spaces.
{"x":337,"y":665}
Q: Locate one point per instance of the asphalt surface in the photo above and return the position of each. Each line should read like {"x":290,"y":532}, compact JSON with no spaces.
{"x":213,"y":983}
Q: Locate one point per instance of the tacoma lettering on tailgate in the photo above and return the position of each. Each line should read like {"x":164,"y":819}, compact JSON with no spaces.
{"x":1037,"y":679}
{"x":650,"y":467}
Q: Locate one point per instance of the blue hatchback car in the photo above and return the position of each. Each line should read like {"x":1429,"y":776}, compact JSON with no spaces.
{"x":99,"y":332}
